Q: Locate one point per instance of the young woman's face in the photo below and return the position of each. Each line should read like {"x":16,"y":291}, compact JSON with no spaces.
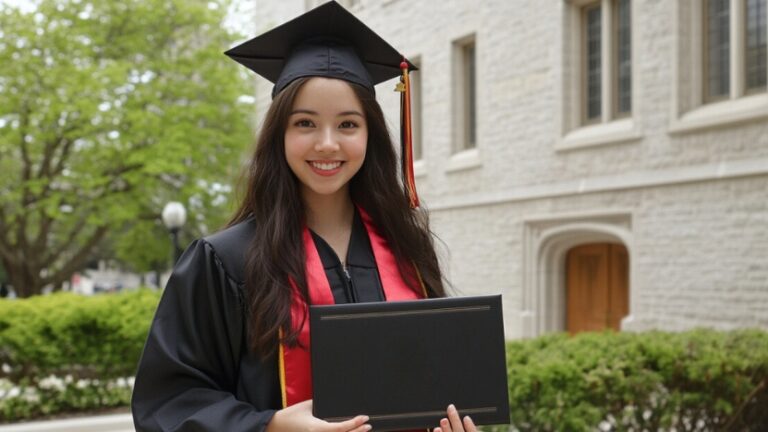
{"x":326,"y":137}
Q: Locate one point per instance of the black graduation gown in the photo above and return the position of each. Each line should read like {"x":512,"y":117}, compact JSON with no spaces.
{"x":196,"y":372}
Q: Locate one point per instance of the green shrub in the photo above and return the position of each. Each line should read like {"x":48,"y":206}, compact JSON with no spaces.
{"x":66,"y":352}
{"x":700,"y":380}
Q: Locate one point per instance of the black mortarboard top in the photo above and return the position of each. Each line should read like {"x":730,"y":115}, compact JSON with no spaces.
{"x":327,"y":41}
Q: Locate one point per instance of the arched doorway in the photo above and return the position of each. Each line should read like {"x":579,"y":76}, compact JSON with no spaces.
{"x":546,"y":242}
{"x":597,"y":287}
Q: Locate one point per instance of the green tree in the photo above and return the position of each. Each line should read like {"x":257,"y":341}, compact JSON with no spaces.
{"x":109,"y":109}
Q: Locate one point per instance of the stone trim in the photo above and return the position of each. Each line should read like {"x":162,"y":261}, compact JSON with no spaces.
{"x":614,"y":132}
{"x":616,"y":182}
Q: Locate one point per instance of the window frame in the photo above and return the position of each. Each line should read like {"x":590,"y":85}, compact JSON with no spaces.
{"x":464,"y":95}
{"x":609,"y":61}
{"x":612,"y":127}
{"x":691,"y":111}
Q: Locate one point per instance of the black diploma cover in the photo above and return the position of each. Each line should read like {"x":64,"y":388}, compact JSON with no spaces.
{"x":402,"y":363}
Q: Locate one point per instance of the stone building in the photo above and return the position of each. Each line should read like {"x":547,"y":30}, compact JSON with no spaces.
{"x":601,"y":163}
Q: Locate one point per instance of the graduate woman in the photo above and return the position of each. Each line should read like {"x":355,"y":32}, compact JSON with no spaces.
{"x":325,"y":220}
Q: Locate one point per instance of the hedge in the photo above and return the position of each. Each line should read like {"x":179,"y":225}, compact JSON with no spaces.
{"x":701,"y":380}
{"x":65,"y":353}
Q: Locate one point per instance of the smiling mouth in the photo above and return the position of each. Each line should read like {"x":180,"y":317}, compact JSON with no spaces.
{"x":325,"y":166}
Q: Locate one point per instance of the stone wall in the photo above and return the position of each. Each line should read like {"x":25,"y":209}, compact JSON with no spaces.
{"x":691,"y":205}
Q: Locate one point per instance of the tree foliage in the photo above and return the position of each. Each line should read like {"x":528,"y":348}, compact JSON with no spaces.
{"x":109,"y":109}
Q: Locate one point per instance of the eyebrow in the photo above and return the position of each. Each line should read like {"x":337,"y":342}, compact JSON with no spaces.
{"x":341,"y":114}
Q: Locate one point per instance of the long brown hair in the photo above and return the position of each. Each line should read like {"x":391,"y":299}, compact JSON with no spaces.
{"x":272,"y":198}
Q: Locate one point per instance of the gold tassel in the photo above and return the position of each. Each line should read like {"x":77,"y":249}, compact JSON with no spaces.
{"x":406,"y":133}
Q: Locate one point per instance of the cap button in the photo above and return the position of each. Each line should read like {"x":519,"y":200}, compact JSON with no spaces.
{"x":403,"y":65}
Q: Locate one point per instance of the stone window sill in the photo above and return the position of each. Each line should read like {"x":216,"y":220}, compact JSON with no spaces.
{"x":716,"y":114}
{"x":464,"y":160}
{"x":419,"y":168}
{"x":617,"y":131}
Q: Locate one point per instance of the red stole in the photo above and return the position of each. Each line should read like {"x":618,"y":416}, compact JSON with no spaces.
{"x":295,"y":370}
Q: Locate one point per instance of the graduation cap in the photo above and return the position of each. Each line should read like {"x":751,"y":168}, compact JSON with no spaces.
{"x":328,"y":41}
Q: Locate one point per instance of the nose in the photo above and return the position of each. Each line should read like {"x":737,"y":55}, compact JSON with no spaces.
{"x":326,"y":142}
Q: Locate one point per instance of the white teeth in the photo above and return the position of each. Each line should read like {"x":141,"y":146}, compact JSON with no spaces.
{"x":326,"y":166}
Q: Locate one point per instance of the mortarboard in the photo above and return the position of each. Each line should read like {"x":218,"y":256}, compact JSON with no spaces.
{"x":328,"y":41}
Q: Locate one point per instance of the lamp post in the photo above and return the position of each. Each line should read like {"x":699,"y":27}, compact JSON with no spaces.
{"x":174,"y":216}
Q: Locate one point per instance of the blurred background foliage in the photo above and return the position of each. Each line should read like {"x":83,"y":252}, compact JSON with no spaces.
{"x":66,"y":353}
{"x":108,"y":110}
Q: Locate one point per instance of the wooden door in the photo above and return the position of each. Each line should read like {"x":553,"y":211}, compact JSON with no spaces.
{"x":597,"y":277}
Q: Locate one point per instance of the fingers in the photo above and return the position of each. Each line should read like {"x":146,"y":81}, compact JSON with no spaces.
{"x":363,"y":428}
{"x":356,"y":424}
{"x":469,"y":425}
{"x":445,"y":426}
{"x":453,"y":423}
{"x":453,"y":418}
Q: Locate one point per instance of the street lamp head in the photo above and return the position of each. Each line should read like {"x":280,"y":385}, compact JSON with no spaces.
{"x":174,"y":215}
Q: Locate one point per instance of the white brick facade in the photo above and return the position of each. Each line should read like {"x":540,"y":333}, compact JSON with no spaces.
{"x":683,"y":189}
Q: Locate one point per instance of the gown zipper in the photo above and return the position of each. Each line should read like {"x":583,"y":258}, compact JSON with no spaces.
{"x":349,"y":286}
{"x":346,"y":278}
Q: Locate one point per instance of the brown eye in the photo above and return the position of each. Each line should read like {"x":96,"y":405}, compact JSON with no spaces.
{"x":347,"y":125}
{"x":303,"y":123}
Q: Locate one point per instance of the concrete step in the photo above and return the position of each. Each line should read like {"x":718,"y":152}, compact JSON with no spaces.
{"x":105,"y":423}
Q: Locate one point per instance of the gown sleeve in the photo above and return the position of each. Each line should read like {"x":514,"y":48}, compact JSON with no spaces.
{"x":187,"y":376}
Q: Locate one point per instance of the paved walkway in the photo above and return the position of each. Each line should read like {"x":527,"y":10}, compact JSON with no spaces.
{"x":105,"y":423}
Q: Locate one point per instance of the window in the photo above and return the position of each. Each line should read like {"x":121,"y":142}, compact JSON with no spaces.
{"x":755,"y":36}
{"x":623,"y":64}
{"x":470,"y":117}
{"x":716,"y":50}
{"x":415,"y":78}
{"x":606,"y":73}
{"x":733,"y":48}
{"x":465,"y":94}
{"x":598,"y":95}
{"x":592,"y":53}
{"x":721,"y":63}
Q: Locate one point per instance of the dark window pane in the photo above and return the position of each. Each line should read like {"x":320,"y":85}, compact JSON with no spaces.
{"x":593,"y":63}
{"x":469,"y":61}
{"x":717,"y":52}
{"x":755,"y":45}
{"x":624,"y":57}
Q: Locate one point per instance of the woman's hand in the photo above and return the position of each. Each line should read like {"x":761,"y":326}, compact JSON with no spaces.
{"x":299,"y":418}
{"x":454,"y":424}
